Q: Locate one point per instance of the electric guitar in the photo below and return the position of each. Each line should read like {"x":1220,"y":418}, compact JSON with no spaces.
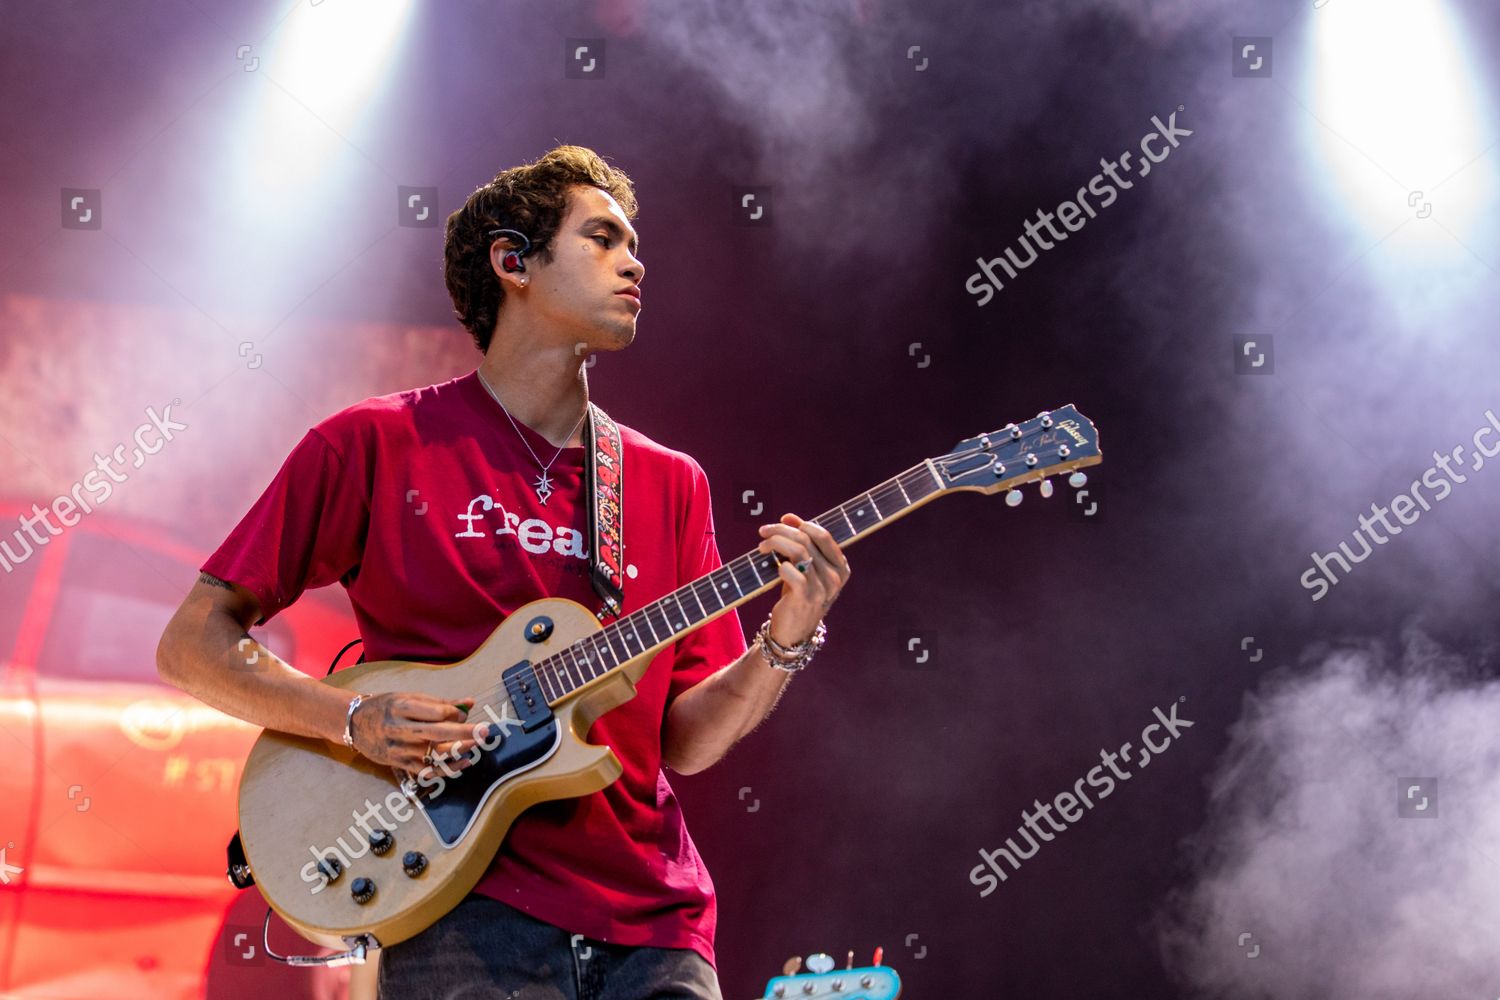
{"x":823,"y":982}
{"x":541,"y":678}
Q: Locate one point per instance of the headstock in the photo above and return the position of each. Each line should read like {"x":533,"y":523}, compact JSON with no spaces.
{"x":823,"y":982}
{"x":1051,"y":443}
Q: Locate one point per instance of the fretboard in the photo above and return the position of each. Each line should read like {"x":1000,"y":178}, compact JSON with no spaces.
{"x":738,"y":580}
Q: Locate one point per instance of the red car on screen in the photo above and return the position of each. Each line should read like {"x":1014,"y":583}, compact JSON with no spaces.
{"x":119,"y":793}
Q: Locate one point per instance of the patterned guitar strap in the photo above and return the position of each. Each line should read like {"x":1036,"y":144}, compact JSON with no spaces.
{"x":604,"y":482}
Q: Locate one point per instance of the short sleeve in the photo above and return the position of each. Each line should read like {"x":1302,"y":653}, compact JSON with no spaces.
{"x":705,"y":650}
{"x":307,"y":530}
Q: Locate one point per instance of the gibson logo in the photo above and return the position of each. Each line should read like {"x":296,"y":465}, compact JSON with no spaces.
{"x":1071,"y":427}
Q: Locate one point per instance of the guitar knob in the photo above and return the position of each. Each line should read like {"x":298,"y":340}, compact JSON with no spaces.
{"x":331,"y":867}
{"x":381,"y":841}
{"x":1013,"y":498}
{"x":362,"y":889}
{"x":414,"y":863}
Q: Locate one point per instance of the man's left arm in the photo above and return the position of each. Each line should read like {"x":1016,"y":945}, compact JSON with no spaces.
{"x":715,"y":714}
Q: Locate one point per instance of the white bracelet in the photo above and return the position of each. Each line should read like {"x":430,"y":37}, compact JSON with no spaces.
{"x":349,"y":720}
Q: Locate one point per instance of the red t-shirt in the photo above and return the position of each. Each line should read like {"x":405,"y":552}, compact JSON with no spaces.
{"x":384,"y":497}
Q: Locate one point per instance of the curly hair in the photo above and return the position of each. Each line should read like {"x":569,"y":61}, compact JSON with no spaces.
{"x":531,"y":199}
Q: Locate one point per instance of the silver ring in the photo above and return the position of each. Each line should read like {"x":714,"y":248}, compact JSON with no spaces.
{"x":802,"y":566}
{"x":427,"y":757}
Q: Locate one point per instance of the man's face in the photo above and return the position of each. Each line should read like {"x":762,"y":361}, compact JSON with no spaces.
{"x":593,"y":261}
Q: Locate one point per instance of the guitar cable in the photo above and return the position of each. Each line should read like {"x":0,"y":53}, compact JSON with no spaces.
{"x":359,"y":946}
{"x":347,"y":646}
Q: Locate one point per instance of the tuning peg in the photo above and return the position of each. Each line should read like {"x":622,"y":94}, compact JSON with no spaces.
{"x":849,"y":962}
{"x":879,"y":955}
{"x":820,"y":963}
{"x":1013,"y":498}
{"x":1077,"y":479}
{"x":1046,"y":487}
{"x":791,"y":966}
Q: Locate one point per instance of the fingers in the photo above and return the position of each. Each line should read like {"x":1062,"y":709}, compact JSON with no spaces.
{"x":414,"y":732}
{"x":824,"y":554}
{"x":446,"y":734}
{"x":823,"y":543}
{"x":425,"y":708}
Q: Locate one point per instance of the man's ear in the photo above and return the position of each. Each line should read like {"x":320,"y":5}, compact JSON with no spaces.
{"x":507,"y":263}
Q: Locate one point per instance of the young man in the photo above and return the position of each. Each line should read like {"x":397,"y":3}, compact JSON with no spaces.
{"x":443,"y":509}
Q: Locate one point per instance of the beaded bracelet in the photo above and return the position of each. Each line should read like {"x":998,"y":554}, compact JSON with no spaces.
{"x":790,"y":658}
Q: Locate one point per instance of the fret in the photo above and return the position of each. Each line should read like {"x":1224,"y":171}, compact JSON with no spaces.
{"x":548,"y":676}
{"x":682,"y":626}
{"x":693,"y":589}
{"x":641,"y":646}
{"x":933,"y":472}
{"x":714,"y":588}
{"x":875,"y":506}
{"x":602,"y":645}
{"x":724,"y":585}
{"x":655,"y":636}
{"x":743,"y":565}
{"x":832,"y":527}
{"x":608,"y":639}
{"x":850,"y":523}
{"x":590,"y":658}
{"x":763,"y":561}
{"x":571,"y":668}
{"x":862,"y":513}
{"x":903,"y":491}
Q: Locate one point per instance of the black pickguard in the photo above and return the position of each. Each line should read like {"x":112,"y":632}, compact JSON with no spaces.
{"x":452,"y":805}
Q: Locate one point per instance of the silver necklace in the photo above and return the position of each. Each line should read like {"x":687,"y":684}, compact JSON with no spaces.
{"x":543,"y":485}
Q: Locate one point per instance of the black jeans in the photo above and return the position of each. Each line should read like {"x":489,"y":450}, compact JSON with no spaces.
{"x":485,"y":950}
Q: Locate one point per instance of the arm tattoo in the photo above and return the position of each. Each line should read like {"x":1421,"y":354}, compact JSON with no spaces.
{"x":213,"y":581}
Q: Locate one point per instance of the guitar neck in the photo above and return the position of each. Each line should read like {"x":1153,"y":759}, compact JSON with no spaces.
{"x":1051,"y":443}
{"x":738,"y":580}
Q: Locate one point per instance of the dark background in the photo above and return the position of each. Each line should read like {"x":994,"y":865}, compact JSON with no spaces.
{"x":780,"y":356}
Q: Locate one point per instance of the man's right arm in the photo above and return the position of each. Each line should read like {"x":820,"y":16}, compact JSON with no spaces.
{"x":207,"y":651}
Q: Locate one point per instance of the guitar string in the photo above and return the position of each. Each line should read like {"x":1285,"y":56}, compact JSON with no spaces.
{"x":557,"y":671}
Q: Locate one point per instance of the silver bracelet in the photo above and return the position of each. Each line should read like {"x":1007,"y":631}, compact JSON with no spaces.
{"x":349,"y":720}
{"x":790,"y":658}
